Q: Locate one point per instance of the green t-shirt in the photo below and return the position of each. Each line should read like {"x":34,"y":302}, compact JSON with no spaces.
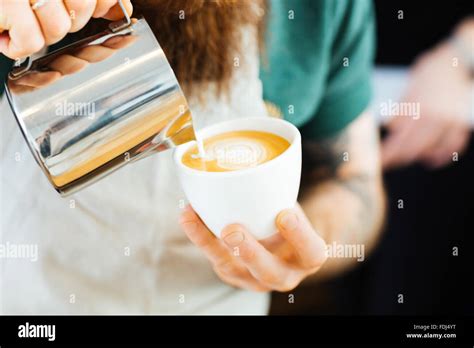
{"x":319,"y":57}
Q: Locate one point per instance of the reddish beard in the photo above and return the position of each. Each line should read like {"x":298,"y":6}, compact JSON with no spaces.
{"x":201,"y":38}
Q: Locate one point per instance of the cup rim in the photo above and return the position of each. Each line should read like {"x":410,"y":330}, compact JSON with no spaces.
{"x":213,"y":129}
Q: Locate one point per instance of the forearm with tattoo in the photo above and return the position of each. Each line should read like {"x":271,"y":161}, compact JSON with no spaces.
{"x":342,"y":188}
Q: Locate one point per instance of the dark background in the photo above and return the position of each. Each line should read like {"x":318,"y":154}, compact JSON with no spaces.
{"x":425,"y":23}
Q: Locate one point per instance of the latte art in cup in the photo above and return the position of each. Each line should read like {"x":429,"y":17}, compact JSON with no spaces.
{"x":235,"y":150}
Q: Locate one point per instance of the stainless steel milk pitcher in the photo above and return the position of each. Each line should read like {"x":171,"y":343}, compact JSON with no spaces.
{"x":91,"y":107}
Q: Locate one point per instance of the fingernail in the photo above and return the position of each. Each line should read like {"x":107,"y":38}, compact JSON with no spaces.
{"x":289,"y":221}
{"x":234,"y":238}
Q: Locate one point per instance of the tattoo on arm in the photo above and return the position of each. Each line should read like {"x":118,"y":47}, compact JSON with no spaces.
{"x":333,"y":157}
{"x":348,"y":159}
{"x":322,"y":159}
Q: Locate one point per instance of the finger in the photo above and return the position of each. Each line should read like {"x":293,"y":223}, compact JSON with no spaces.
{"x":433,"y":131}
{"x":454,"y":142}
{"x":259,"y":261}
{"x":427,"y":139}
{"x":116,"y":12}
{"x":20,"y":89}
{"x":398,"y":147}
{"x":279,"y":247}
{"x":217,"y":253}
{"x":102,"y":7}
{"x":227,"y":267}
{"x":34,"y":80}
{"x":24,"y":35}
{"x":80,"y":12}
{"x":299,"y":233}
{"x":38,"y":79}
{"x":247,"y":283}
{"x":54,"y":20}
{"x":3,"y":17}
{"x":67,"y":64}
{"x":119,"y":42}
{"x":439,"y":152}
{"x":98,"y":53}
{"x":111,"y":10}
{"x":94,"y":54}
{"x":390,"y":148}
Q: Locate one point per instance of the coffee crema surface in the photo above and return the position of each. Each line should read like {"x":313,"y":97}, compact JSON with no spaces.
{"x":235,"y":150}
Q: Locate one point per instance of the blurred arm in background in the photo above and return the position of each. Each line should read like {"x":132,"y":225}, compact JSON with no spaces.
{"x":343,"y":196}
{"x":441,"y":82}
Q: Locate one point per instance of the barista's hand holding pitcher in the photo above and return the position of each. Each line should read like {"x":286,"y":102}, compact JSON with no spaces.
{"x":26,"y":26}
{"x":279,"y":262}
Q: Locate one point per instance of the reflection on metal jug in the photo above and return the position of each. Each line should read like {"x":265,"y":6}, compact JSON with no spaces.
{"x":93,"y":106}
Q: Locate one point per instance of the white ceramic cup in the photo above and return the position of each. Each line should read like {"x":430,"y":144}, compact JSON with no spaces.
{"x":253,"y":196}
